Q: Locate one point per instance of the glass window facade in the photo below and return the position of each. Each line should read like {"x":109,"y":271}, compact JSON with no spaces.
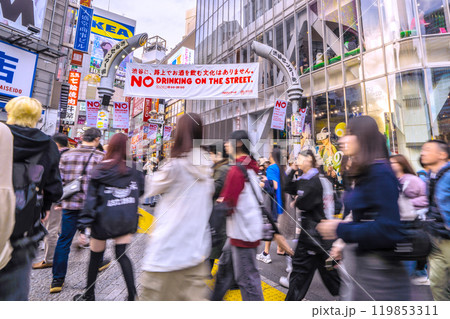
{"x":384,"y":58}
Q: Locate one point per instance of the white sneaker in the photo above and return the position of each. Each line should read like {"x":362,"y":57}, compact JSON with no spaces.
{"x":284,"y":281}
{"x":420,"y":281}
{"x":289,"y":264}
{"x":266,"y":259}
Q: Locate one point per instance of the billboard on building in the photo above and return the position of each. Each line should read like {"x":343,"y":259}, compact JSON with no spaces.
{"x":17,"y":68}
{"x":20,"y":14}
{"x":182,"y":56}
{"x":107,"y":30}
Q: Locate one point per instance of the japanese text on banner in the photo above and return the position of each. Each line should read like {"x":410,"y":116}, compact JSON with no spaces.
{"x":279,"y":115}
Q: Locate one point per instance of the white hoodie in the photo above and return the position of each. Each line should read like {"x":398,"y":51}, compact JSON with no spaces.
{"x":180,"y":237}
{"x":7,"y":198}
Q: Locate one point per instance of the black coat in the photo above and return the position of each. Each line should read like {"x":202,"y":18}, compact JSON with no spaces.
{"x":111,"y":208}
{"x":27,"y":143}
{"x":310,"y":202}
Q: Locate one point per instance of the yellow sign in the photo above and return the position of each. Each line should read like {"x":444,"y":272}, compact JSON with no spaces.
{"x":111,"y":29}
{"x":102,"y":120}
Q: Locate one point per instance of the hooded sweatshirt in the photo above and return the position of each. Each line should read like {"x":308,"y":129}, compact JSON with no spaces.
{"x":180,"y":237}
{"x":245,"y":225}
{"x":111,"y":207}
{"x":7,"y":198}
{"x":30,"y":141}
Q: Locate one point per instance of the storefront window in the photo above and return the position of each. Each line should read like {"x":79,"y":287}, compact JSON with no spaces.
{"x":410,"y":116}
{"x":332,"y":34}
{"x":439,"y":92}
{"x":432,"y":16}
{"x":330,"y":155}
{"x":370,"y":24}
{"x":316,"y":36}
{"x":349,"y":21}
{"x":354,"y":101}
{"x":302,"y":42}
{"x":320,"y":117}
{"x":290,"y":40}
{"x":398,"y":19}
{"x":378,"y":104}
{"x":373,"y":63}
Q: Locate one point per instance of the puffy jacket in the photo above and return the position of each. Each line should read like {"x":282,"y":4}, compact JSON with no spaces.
{"x":415,"y":190}
{"x":111,"y":207}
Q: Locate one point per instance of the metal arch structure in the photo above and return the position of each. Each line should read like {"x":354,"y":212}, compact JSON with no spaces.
{"x":294,"y":90}
{"x":112,"y":61}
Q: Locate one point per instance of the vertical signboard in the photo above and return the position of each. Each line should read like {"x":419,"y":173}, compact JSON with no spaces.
{"x":102,"y":119}
{"x":153,"y":130}
{"x":147,"y":109}
{"x":121,"y":115}
{"x":279,"y":115}
{"x":167,"y":132}
{"x":83,"y":32}
{"x":138,"y":106}
{"x":77,"y":58}
{"x":92,"y":108}
{"x":74,"y":87}
{"x":298,"y":122}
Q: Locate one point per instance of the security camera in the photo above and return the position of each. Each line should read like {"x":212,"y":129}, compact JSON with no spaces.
{"x":33,"y":29}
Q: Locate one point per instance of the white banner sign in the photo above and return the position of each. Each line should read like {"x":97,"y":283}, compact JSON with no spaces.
{"x":279,"y":115}
{"x":167,"y":132}
{"x":17,"y":67}
{"x":199,"y":82}
{"x":152,"y":130}
{"x":92,"y":108}
{"x":121,"y":115}
{"x":21,"y":14}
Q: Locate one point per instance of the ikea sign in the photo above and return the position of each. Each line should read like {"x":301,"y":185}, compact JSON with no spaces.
{"x":111,"y":29}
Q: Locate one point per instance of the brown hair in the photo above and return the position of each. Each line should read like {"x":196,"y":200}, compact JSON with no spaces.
{"x":117,"y":152}
{"x":372,"y":145}
{"x":403,"y":162}
{"x":189,"y":128}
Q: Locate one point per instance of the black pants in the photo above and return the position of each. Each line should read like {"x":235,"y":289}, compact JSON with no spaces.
{"x":304,"y":263}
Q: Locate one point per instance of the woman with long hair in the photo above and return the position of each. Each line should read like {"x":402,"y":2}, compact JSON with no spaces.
{"x":111,"y":211}
{"x":372,"y":200}
{"x":180,"y":242}
{"x":415,"y":189}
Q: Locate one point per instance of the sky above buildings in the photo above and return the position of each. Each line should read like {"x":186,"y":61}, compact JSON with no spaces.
{"x":165,"y":18}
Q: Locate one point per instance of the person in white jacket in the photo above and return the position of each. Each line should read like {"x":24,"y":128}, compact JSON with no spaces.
{"x":7,"y":198}
{"x":180,"y":239}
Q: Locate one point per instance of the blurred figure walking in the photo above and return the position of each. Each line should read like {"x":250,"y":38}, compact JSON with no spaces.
{"x":376,"y":219}
{"x":111,"y":211}
{"x":435,"y":156}
{"x":174,"y":260}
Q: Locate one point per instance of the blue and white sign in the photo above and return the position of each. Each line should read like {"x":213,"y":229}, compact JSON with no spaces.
{"x":17,"y":69}
{"x":83,"y":29}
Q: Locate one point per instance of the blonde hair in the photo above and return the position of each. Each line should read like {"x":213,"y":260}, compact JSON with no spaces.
{"x":23,"y":111}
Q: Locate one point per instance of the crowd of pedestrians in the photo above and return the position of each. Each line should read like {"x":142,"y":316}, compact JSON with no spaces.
{"x":350,"y":229}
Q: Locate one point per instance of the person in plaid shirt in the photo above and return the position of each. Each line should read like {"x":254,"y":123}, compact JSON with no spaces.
{"x":71,"y":167}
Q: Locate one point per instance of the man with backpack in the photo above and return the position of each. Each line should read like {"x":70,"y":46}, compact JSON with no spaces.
{"x":37,"y":184}
{"x":75,"y":164}
{"x":435,"y":156}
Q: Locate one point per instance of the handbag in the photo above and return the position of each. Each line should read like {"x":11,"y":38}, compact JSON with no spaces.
{"x":269,"y":226}
{"x":74,"y":186}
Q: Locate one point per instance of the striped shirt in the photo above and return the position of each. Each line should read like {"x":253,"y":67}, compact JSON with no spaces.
{"x":71,"y":166}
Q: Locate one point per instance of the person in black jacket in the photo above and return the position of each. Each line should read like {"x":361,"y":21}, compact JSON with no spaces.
{"x":111,"y":211}
{"x":30,"y":144}
{"x":312,"y":251}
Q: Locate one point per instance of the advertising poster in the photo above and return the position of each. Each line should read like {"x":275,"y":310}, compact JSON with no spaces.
{"x":199,"y":82}
{"x":81,"y":119}
{"x":121,"y":115}
{"x":279,"y":115}
{"x":147,"y":109}
{"x":152,"y":131}
{"x":20,"y":14}
{"x":138,"y":106}
{"x":298,"y":122}
{"x":102,"y":120}
{"x":167,"y":132}
{"x":92,"y":108}
{"x":107,"y":31}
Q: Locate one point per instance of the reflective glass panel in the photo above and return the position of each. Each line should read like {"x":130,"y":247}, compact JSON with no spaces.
{"x":328,"y":149}
{"x":439,"y":86}
{"x":316,"y":35}
{"x":332,"y":34}
{"x":290,"y":40}
{"x":302,"y":42}
{"x":378,"y":104}
{"x":373,"y":63}
{"x":398,"y":19}
{"x":370,"y":24}
{"x":320,"y":117}
{"x":349,"y":21}
{"x":354,"y":101}
{"x":432,"y":17}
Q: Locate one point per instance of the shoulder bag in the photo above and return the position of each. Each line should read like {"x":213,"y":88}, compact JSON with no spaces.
{"x":74,"y":186}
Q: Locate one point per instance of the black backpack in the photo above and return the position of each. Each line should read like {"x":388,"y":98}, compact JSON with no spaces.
{"x":27,"y":177}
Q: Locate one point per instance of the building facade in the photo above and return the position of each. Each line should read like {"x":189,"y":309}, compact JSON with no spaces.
{"x":389,"y":59}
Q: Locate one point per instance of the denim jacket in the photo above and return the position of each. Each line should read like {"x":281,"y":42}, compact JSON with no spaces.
{"x":439,"y":197}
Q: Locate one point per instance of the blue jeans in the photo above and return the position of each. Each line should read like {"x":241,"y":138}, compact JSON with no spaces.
{"x":62,"y":250}
{"x":15,"y":277}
